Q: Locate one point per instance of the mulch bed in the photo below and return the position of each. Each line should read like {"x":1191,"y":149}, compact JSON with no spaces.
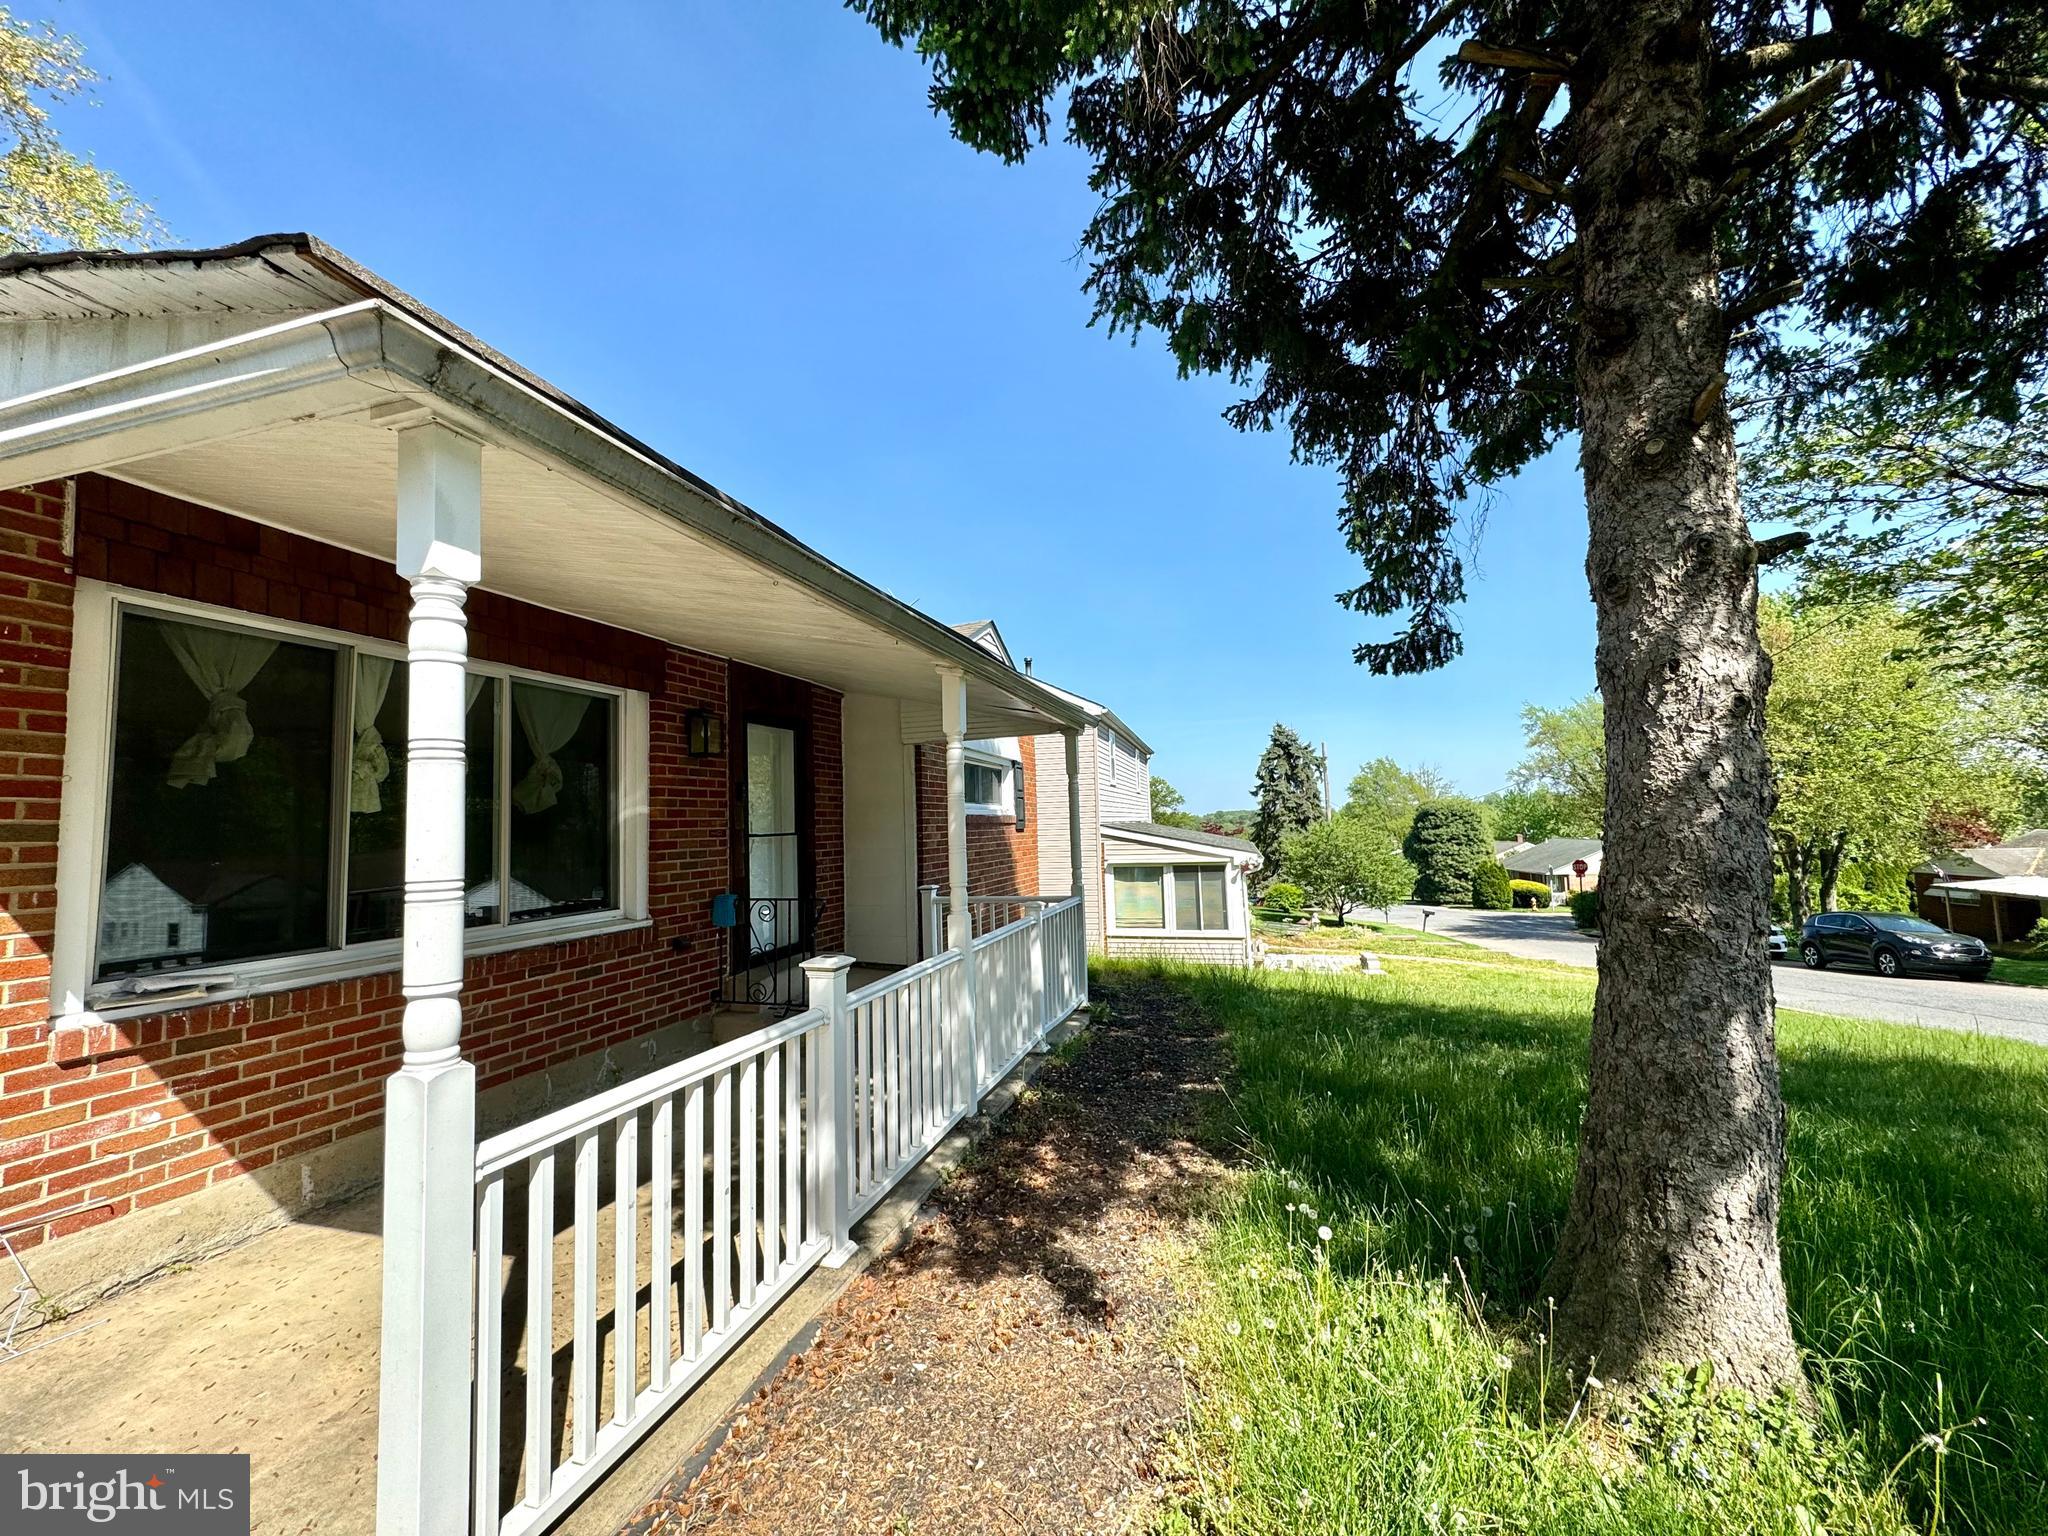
{"x":1009,"y":1368}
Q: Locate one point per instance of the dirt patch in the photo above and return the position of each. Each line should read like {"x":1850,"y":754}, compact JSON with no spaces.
{"x":1009,"y":1368}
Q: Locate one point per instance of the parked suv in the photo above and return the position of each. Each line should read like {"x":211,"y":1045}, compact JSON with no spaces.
{"x":1892,"y":944}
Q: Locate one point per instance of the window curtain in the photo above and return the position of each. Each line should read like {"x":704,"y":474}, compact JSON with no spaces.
{"x":220,"y":663}
{"x":549,"y":719}
{"x":369,"y":764}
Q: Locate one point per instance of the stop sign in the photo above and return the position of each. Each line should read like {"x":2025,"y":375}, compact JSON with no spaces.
{"x":1579,"y":867}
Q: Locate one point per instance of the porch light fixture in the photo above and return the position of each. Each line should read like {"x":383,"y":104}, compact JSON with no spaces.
{"x":704,"y":732}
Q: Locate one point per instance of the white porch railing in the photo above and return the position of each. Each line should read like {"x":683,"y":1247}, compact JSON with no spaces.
{"x":715,"y":1185}
{"x":733,"y":1138}
{"x":908,"y":1091}
{"x":985,"y":914}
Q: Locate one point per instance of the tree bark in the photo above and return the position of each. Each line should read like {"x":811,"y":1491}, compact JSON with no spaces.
{"x":1831,"y":870}
{"x":1670,"y":1246}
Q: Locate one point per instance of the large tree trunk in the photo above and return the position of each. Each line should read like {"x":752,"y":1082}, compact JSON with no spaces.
{"x":1670,"y":1247}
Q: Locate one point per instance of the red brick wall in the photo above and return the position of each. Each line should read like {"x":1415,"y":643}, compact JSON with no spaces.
{"x":1001,"y":861}
{"x":156,"y":1108}
{"x":828,"y":819}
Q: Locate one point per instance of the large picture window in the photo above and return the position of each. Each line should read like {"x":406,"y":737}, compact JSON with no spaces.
{"x":255,"y":798}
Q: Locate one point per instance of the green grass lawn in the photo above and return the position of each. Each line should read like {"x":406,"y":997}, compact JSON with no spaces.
{"x":2020,"y":972}
{"x":1391,"y":940}
{"x":1427,"y":1120}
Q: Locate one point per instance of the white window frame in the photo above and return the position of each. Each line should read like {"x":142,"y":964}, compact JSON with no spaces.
{"x":82,"y":822}
{"x":1170,"y":861}
{"x":1001,"y":755}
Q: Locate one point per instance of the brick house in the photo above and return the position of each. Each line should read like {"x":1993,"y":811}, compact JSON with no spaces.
{"x":409,"y":776}
{"x":1993,"y":892}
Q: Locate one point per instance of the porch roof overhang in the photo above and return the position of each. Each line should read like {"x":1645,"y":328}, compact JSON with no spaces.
{"x":271,"y":380}
{"x":2024,"y":887}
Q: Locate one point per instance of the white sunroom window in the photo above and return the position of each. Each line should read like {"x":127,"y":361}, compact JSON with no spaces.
{"x":1194,"y":896}
{"x":255,"y":798}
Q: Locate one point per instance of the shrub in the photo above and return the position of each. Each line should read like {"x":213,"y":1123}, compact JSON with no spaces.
{"x":1585,"y":907}
{"x":1446,"y":843}
{"x":1529,"y":893}
{"x":1286,"y":896}
{"x":1491,"y":890}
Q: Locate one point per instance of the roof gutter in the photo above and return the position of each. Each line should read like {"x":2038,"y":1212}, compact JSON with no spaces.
{"x":314,"y":363}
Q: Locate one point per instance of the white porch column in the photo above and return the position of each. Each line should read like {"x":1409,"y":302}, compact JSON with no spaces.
{"x":960,"y":920}
{"x":1073,"y":741}
{"x":1082,"y":878}
{"x":430,"y":1103}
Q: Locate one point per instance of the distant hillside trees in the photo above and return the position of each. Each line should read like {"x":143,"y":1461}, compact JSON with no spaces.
{"x":1169,"y":806}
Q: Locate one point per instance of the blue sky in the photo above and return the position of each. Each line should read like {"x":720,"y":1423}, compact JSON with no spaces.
{"x":737,"y":230}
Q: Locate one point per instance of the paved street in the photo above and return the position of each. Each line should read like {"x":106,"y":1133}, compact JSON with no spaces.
{"x":1981,"y":1007}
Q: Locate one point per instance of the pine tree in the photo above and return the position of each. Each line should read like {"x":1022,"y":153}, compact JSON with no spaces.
{"x":1289,"y":793}
{"x":1432,"y":239}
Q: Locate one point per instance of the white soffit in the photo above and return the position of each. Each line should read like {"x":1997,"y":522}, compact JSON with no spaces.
{"x":551,"y":539}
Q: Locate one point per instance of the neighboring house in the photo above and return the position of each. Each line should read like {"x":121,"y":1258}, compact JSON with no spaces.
{"x":1177,"y":893}
{"x":145,"y":924}
{"x":1551,"y":862}
{"x":329,"y":624}
{"x":1146,"y":889}
{"x":1502,"y":849}
{"x":1995,"y":892}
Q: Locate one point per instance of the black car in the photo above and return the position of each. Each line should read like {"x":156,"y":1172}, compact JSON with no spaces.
{"x":1892,"y":944}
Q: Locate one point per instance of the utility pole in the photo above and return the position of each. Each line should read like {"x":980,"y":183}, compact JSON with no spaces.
{"x":1327,"y":814}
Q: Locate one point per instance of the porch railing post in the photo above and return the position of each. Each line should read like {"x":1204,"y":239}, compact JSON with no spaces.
{"x":960,"y":917}
{"x":931,"y":929}
{"x":826,"y":978}
{"x":1039,"y":1021}
{"x":423,"y":1423}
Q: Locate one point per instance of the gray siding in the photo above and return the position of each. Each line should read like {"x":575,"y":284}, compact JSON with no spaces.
{"x":1218,"y":951}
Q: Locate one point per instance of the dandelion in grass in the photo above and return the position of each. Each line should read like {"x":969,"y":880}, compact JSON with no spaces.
{"x":1237,"y":1423}
{"x":1269,"y":1325}
{"x":1236,"y":1328}
{"x":1323,"y":1234}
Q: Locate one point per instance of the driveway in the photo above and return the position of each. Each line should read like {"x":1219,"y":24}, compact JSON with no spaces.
{"x":2021,"y":1013}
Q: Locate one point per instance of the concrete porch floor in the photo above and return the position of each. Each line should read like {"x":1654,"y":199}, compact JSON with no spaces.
{"x":271,"y":1349}
{"x":237,"y":1353}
